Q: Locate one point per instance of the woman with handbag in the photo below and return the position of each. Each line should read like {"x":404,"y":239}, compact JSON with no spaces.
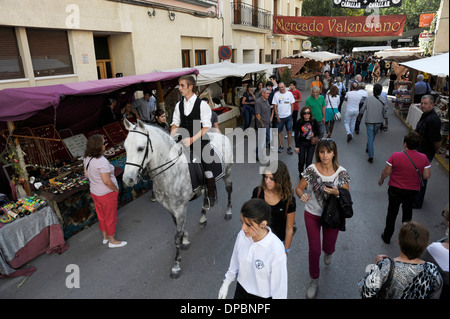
{"x":276,"y":190}
{"x":406,"y":276}
{"x":306,"y":132}
{"x":405,"y":170}
{"x":320,"y":180}
{"x":332,"y":114}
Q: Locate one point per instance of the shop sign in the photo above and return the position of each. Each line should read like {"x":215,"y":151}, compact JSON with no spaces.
{"x":363,"y":4}
{"x":361,"y":26}
{"x":426,"y":19}
{"x":306,"y":45}
{"x":425,"y":36}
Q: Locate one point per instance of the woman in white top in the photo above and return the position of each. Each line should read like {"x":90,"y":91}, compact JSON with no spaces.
{"x":103,"y":187}
{"x":332,"y":100}
{"x":320,"y":180}
{"x":258,"y":260}
{"x":437,"y":253}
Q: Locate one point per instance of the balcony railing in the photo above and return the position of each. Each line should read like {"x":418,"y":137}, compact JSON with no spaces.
{"x":248,"y":15}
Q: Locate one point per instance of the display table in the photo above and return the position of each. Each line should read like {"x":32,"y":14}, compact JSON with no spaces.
{"x":28,"y":237}
{"x":414,"y":114}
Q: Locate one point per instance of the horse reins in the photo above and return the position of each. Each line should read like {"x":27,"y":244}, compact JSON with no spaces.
{"x":141,"y":167}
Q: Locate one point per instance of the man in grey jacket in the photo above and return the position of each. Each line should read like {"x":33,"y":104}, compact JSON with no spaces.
{"x":376,"y":111}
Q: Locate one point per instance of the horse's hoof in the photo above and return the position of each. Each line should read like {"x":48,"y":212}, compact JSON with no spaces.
{"x":175,"y":274}
{"x":185,"y":246}
{"x":228,"y":216}
{"x":203,"y":224}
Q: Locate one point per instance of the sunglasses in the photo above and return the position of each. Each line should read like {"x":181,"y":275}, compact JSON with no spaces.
{"x":327,"y":140}
{"x":307,"y":113}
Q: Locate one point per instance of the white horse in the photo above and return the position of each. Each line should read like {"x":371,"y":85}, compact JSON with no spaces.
{"x":151,"y":149}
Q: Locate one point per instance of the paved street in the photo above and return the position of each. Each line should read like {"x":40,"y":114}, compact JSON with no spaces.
{"x":141,"y":269}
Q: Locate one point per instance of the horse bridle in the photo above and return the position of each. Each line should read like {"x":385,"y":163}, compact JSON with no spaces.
{"x":142,"y":168}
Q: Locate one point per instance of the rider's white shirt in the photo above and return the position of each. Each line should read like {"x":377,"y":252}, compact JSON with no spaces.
{"x":205,"y":112}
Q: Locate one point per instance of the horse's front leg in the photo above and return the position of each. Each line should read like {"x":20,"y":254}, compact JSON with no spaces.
{"x":181,"y":240}
{"x":229,"y":189}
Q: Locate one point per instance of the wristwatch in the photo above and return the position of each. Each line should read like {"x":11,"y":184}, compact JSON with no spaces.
{"x":288,"y":250}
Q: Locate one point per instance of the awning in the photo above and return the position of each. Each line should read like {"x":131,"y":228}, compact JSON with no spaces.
{"x":212,"y":73}
{"x":435,"y":65}
{"x":372,"y":48}
{"x":406,"y":34}
{"x":400,"y":54}
{"x":21,"y":103}
{"x":320,"y":56}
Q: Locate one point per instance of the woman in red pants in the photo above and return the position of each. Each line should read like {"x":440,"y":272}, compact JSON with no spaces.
{"x":103,"y":187}
{"x":320,"y":180}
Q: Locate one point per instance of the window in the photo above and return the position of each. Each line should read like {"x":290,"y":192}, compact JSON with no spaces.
{"x":10,"y":61}
{"x":50,"y":52}
{"x":200,"y":57}
{"x":185,"y":58}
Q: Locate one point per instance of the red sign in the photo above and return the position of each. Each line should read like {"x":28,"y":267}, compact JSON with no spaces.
{"x":426,"y":19}
{"x":425,"y":35}
{"x":225,"y":52}
{"x":361,"y":26}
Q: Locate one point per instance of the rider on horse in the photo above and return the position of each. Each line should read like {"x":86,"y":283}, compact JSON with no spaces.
{"x":189,"y":110}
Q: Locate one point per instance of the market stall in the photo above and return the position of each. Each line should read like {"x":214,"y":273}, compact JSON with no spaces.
{"x":44,"y":131}
{"x":307,"y":65}
{"x":438,"y":67}
{"x":358,"y":51}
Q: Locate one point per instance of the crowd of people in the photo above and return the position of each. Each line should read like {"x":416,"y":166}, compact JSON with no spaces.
{"x":259,"y":258}
{"x":420,"y":271}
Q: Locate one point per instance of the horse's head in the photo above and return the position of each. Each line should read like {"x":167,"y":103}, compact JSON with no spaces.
{"x":139,"y":150}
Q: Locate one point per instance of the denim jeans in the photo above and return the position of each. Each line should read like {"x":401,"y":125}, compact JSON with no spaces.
{"x":247,"y":112}
{"x":372,"y":130}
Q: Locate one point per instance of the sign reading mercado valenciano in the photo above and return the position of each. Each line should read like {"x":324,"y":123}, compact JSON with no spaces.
{"x":361,"y":26}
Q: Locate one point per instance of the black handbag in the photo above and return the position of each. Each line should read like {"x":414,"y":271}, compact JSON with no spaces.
{"x":382,"y":293}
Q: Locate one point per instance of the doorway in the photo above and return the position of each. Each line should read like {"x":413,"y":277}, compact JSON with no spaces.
{"x":102,"y":45}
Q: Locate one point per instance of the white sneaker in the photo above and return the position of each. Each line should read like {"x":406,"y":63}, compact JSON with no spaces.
{"x":312,"y":289}
{"x":285,"y":136}
{"x":123,"y":243}
{"x":272,"y":149}
{"x":327,"y":259}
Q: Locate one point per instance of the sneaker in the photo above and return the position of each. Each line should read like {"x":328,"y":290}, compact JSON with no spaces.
{"x":280,"y":149}
{"x":349,"y":138}
{"x":327,"y":259}
{"x":289,"y":151}
{"x":370,"y":160}
{"x":312,"y":289}
{"x":286,"y":136}
{"x":121,"y":244}
{"x":293,"y":134}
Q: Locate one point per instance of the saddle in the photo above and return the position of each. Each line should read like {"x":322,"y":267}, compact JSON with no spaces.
{"x":197,"y":171}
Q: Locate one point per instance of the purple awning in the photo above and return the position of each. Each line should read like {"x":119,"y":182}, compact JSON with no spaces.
{"x":21,"y":103}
